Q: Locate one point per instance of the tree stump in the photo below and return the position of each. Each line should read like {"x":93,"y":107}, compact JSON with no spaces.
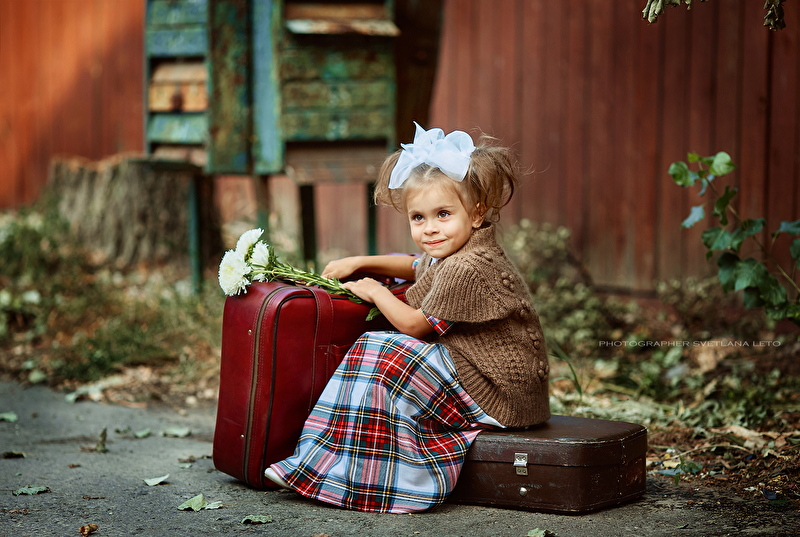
{"x":130,"y":209}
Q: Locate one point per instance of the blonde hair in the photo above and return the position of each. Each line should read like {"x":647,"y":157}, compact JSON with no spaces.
{"x":488,"y":186}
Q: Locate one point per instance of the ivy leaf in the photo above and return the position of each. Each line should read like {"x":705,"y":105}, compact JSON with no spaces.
{"x":30,"y":490}
{"x":793,"y":311}
{"x":792,"y":228}
{"x":749,"y":273}
{"x":153,"y":481}
{"x":722,"y":164}
{"x":257,"y":519}
{"x":721,"y":205}
{"x":680,"y":174}
{"x":727,"y":263}
{"x":9,"y":417}
{"x":697,"y":213}
{"x":177,"y":432}
{"x":752,"y":298}
{"x":747,"y":228}
{"x":692,"y":157}
{"x":772,"y":292}
{"x":705,"y":182}
{"x":794,"y":249}
{"x":716,"y":238}
{"x":776,"y":314}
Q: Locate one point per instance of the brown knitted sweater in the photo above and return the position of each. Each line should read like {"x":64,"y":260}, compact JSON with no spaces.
{"x":496,"y":342}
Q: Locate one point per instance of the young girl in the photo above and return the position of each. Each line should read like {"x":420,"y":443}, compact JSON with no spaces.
{"x":391,"y":429}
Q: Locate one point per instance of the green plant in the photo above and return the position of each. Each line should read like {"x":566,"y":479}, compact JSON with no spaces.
{"x":761,"y":288}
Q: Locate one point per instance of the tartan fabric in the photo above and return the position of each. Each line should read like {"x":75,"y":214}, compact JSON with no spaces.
{"x":441,"y":326}
{"x":389,"y":432}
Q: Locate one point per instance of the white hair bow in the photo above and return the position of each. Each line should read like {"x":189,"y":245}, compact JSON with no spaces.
{"x":449,"y":153}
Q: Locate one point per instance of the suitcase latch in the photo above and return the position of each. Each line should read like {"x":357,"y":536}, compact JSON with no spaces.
{"x":521,"y":463}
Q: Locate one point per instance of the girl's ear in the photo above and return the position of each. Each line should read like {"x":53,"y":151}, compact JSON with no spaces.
{"x":477,"y":216}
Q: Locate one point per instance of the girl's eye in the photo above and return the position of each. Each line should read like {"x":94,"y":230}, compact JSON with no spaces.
{"x":416,"y":218}
{"x":444,"y":214}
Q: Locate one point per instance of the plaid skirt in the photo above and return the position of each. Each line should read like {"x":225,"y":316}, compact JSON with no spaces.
{"x":389,"y":432}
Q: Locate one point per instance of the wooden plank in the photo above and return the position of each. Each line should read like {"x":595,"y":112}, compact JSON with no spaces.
{"x":178,"y":128}
{"x":336,"y":64}
{"x":187,"y":41}
{"x":27,"y":95}
{"x":177,"y":12}
{"x":343,"y":233}
{"x":314,"y":10}
{"x":644,"y":175}
{"x":383,"y":28}
{"x":334,"y":163}
{"x":755,"y":96}
{"x":126,"y":52}
{"x":442,"y":110}
{"x":229,"y":86}
{"x":464,"y":59}
{"x":336,"y":95}
{"x":176,"y":87}
{"x":482,"y":114}
{"x":507,"y":93}
{"x":267,"y":146}
{"x":670,"y":210}
{"x":576,"y":106}
{"x":600,"y":238}
{"x":552,"y":195}
{"x":783,"y":165}
{"x":310,"y":125}
{"x":9,"y":68}
{"x":703,"y":31}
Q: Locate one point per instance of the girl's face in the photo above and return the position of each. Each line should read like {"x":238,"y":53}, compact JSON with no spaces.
{"x":440,"y":224}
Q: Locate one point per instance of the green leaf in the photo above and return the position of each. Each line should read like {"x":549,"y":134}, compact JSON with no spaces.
{"x":752,"y":298}
{"x":697,"y":213}
{"x":374,"y":313}
{"x":721,"y":205}
{"x":153,"y":481}
{"x":177,"y":432}
{"x":540,"y":533}
{"x":14,"y":455}
{"x":30,"y":490}
{"x":748,"y":228}
{"x":144,"y":433}
{"x":794,"y":249}
{"x":775,"y":314}
{"x":793,"y":311}
{"x":727,"y":263}
{"x":214,"y":505}
{"x":716,"y":238}
{"x":772,"y":292}
{"x":692,"y":157}
{"x":257,"y":519}
{"x":792,"y":228}
{"x":680,"y":174}
{"x":749,"y":273}
{"x":722,"y":165}
{"x":9,"y":416}
{"x":194,"y":504}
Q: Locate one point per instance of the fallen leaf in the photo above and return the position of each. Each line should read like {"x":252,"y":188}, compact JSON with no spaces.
{"x":257,"y":519}
{"x":177,"y":432}
{"x":13,"y":455}
{"x":153,"y":481}
{"x":101,"y":442}
{"x":195,"y":503}
{"x":88,"y":528}
{"x":87,"y":497}
{"x":540,"y":533}
{"x":30,"y":490}
{"x":185,"y":466}
{"x":214,"y":505}
{"x":19,"y":511}
{"x":9,"y":416}
{"x":73,"y":465}
{"x":143,"y":433}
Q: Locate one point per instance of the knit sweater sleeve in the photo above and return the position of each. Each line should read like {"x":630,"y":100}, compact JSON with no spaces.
{"x":462,"y":292}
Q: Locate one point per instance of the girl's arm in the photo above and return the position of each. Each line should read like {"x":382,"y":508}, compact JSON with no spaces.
{"x":395,"y":266}
{"x":406,"y":319}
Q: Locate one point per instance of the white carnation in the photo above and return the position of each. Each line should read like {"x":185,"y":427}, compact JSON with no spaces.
{"x":246,"y":241}
{"x":233,"y":271}
{"x":260,"y":254}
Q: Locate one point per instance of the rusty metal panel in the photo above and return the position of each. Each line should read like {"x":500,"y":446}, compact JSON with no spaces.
{"x":177,"y":128}
{"x":267,"y":145}
{"x":190,"y":41}
{"x":327,"y":63}
{"x":178,"y":87}
{"x":337,"y":125}
{"x":177,"y":12}
{"x":336,"y":95}
{"x":229,"y":86}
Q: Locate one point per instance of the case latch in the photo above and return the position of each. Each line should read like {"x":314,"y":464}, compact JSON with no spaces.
{"x":521,"y":463}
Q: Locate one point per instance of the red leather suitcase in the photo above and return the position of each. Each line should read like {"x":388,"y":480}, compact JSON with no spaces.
{"x":280,"y":345}
{"x":568,"y":465}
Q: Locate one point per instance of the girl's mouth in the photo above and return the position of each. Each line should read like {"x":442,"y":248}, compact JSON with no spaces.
{"x":434,"y":243}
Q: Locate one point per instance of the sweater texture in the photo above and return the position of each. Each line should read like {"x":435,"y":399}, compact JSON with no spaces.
{"x":496,"y":342}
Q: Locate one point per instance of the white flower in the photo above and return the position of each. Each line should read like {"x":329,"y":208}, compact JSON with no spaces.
{"x":260,"y":254}
{"x":233,"y":271}
{"x":246,"y":241}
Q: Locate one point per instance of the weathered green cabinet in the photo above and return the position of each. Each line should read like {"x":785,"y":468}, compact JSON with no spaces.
{"x":261,"y":87}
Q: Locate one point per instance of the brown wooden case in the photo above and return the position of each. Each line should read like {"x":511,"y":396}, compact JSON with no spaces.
{"x":569,"y":464}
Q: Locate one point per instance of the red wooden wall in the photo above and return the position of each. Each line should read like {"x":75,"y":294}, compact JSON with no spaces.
{"x":596,"y":102}
{"x":70,"y":83}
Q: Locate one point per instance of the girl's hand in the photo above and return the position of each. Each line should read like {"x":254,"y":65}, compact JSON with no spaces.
{"x":341,"y":268}
{"x":365,"y":288}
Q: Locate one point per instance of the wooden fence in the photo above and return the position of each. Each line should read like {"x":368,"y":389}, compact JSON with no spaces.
{"x":596,"y":102}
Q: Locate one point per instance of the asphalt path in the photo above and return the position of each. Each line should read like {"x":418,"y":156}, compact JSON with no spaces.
{"x":59,"y":441}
